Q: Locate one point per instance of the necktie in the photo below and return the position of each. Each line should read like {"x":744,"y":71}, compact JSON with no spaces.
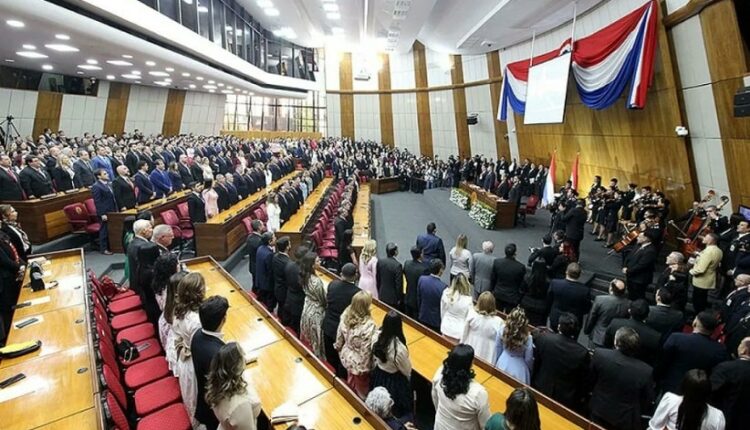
{"x":12,"y":175}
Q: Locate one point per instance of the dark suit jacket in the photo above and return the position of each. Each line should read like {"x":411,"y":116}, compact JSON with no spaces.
{"x":430,"y":291}
{"x":278,"y":264}
{"x":665,"y":320}
{"x":432,"y":247}
{"x":203,"y":349}
{"x":17,"y":242}
{"x":730,"y":382}
{"x":622,"y":389}
{"x":35,"y":184}
{"x":605,"y":309}
{"x":124,"y":193}
{"x":560,"y":368}
{"x":295,"y":295}
{"x":650,"y":338}
{"x":132,"y":252}
{"x":640,"y":264}
{"x":574,"y":221}
{"x":196,"y":208}
{"x":508,"y":278}
{"x":104,"y":199}
{"x":176,"y":180}
{"x":264,"y":268}
{"x":340,"y":225}
{"x":10,"y":189}
{"x":567,"y":296}
{"x":223,"y":201}
{"x":390,"y":281}
{"x":412,"y":271}
{"x":162,"y":184}
{"x":84,"y":174}
{"x":684,"y":351}
{"x":146,"y":190}
{"x":339,"y":296}
{"x":251,"y":247}
{"x":62,"y":178}
{"x":186,"y":175}
{"x":548,"y":253}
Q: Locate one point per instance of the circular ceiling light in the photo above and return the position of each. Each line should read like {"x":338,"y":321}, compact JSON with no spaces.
{"x":169,"y":69}
{"x":15,"y":23}
{"x":211,"y":91}
{"x":62,"y":37}
{"x":200,"y":78}
{"x":131,"y":76}
{"x":210,"y":87}
{"x":111,"y":77}
{"x":136,"y":72}
{"x":211,"y":81}
{"x":127,"y":56}
{"x":192,"y":86}
{"x":91,"y":61}
{"x":79,"y":72}
{"x":220,"y":84}
{"x":186,"y":74}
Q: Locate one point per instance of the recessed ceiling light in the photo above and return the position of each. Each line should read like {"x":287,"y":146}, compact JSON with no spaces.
{"x":47,"y":67}
{"x":229,"y":87}
{"x":265,"y":4}
{"x":8,"y":60}
{"x":202,"y":9}
{"x":220,"y":84}
{"x":131,"y":76}
{"x":136,"y":72}
{"x":244,"y":92}
{"x":88,"y":67}
{"x":60,"y":47}
{"x":29,"y":47}
{"x":15,"y":23}
{"x":158,"y":73}
{"x":192,"y":85}
{"x":200,"y":78}
{"x":79,"y":72}
{"x":169,"y":69}
{"x":210,"y":87}
{"x":30,"y":54}
{"x":271,"y":11}
{"x":137,"y":82}
{"x":186,"y":74}
{"x":251,"y":93}
{"x":161,"y":83}
{"x":333,"y":16}
{"x":127,"y":56}
{"x":167,"y":80}
{"x":111,"y":77}
{"x":211,"y":81}
{"x":62,"y":37}
{"x":211,"y":91}
{"x":91,"y":61}
{"x":330,"y":7}
{"x":150,"y":63}
{"x":226,"y":92}
{"x":119,"y":63}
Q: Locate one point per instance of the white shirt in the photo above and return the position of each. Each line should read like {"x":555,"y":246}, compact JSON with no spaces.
{"x":239,"y":412}
{"x":460,"y":263}
{"x":453,"y":311}
{"x":468,"y":411}
{"x":480,"y":331}
{"x":665,"y":416}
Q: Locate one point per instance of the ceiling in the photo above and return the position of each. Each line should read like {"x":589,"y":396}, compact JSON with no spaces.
{"x":453,"y":26}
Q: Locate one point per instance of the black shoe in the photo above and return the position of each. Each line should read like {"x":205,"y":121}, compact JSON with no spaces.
{"x":598,"y":239}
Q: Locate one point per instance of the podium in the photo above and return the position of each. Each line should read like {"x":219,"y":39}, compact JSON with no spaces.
{"x":506,"y":211}
{"x":385,"y":185}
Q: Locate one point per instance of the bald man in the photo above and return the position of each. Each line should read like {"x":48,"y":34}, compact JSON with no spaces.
{"x":730,"y":383}
{"x":124,"y":189}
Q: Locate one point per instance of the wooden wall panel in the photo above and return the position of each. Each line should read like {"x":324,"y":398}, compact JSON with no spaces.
{"x":633,"y":145}
{"x":117,"y":108}
{"x":494,"y":71}
{"x":459,"y":108}
{"x":347,"y":100}
{"x":48,"y":108}
{"x":424,"y":122}
{"x":173,"y":112}
{"x":386,"y":103}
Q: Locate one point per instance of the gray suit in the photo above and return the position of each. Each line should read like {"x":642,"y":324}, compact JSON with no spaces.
{"x":605,"y":309}
{"x":481,"y":273}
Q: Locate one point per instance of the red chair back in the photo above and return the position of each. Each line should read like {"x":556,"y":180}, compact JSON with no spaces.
{"x":115,"y":412}
{"x":114,"y":385}
{"x":170,"y":218}
{"x":248,"y":222}
{"x":531,"y":204}
{"x":261,"y":214}
{"x":91,"y":207}
{"x":77,"y":215}
{"x":182,"y":209}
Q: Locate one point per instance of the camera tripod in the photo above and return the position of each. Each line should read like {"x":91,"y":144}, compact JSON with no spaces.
{"x":9,"y":133}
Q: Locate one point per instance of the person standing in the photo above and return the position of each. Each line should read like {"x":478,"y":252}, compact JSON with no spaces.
{"x":291,"y":311}
{"x":314,"y":309}
{"x":35,"y":181}
{"x":460,"y":258}
{"x":124,"y":189}
{"x":160,"y":179}
{"x":104,"y":200}
{"x":229,"y":393}
{"x":455,"y":305}
{"x":204,"y":346}
{"x":663,"y":317}
{"x":264,"y":271}
{"x":508,"y":279}
{"x":191,"y":292}
{"x":568,"y":295}
{"x":730,"y":385}
{"x":650,"y":339}
{"x":429,"y":294}
{"x":196,"y":204}
{"x":481,"y":327}
{"x":355,"y":337}
{"x":575,"y":220}
{"x":392,"y":365}
{"x":431,"y":244}
{"x":18,"y":237}
{"x":278,"y":265}
{"x":274,"y":213}
{"x":481,"y":269}
{"x":690,"y":410}
{"x":10,"y":184}
{"x":639,"y":266}
{"x":368,"y":263}
{"x":605,"y":309}
{"x":704,"y":271}
{"x":252,"y":244}
{"x":210,"y":199}
{"x":338,"y":298}
{"x":11,"y":274}
{"x":413,"y":270}
{"x":390,"y":278}
{"x":514,"y":347}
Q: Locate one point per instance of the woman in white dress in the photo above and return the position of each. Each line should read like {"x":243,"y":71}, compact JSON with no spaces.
{"x":460,"y":402}
{"x":274,"y":213}
{"x":482,"y":326}
{"x":460,"y":258}
{"x":269,"y":176}
{"x":690,"y":410}
{"x":368,"y":264}
{"x":191,"y":292}
{"x":167,"y":317}
{"x":164,"y":267}
{"x":208,"y":172}
{"x":454,"y":307}
{"x":230,"y":393}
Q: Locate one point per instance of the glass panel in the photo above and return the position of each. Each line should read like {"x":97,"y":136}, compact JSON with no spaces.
{"x":273,"y":58}
{"x":170,"y":8}
{"x":149,"y":3}
{"x":229,"y":29}
{"x":256,"y":113}
{"x":285,"y":68}
{"x":249,"y":44}
{"x":203,"y":18}
{"x":217,"y":11}
{"x":189,"y":14}
{"x":239,"y":36}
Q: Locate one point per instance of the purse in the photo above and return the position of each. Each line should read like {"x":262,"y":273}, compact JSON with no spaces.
{"x":127,"y":350}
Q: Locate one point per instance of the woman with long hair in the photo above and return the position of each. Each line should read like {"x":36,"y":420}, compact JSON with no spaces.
{"x":191,"y":292}
{"x":368,"y":263}
{"x":11,"y":227}
{"x":514,"y":347}
{"x":566,"y":256}
{"x":481,"y":327}
{"x":211,"y":198}
{"x":521,"y":412}
{"x":460,"y":258}
{"x":63,"y":174}
{"x":167,"y":317}
{"x":355,"y":337}
{"x":455,"y":305}
{"x":534,"y":300}
{"x":460,"y":402}
{"x":392,"y":365}
{"x":165,"y":266}
{"x":689,"y":411}
{"x":314,"y":309}
{"x":274,"y":213}
{"x":229,"y":393}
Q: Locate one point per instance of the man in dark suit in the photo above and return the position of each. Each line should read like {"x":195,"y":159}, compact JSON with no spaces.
{"x":104,"y":200}
{"x":622,"y":386}
{"x":132,"y":159}
{"x":295,"y":294}
{"x":650,"y":339}
{"x":221,"y":189}
{"x":142,"y":229}
{"x":548,"y":252}
{"x":146,"y":190}
{"x":10,"y":184}
{"x":35,"y":181}
{"x":663,"y":317}
{"x":413,"y":270}
{"x":561,"y":363}
{"x":605,"y":309}
{"x":390,"y":278}
{"x":429,"y":293}
{"x":508,"y":279}
{"x":196,"y":205}
{"x":685,"y":351}
{"x":234,"y":195}
{"x":340,"y":226}
{"x":252,"y":244}
{"x":124,"y":189}
{"x":264,"y":271}
{"x":84,"y":172}
{"x":730,"y":383}
{"x":184,"y":170}
{"x":205,"y":344}
{"x":575,"y":220}
{"x":278,"y":264}
{"x":160,"y":179}
{"x":639,"y":267}
{"x":431,"y":245}
{"x":196,"y":170}
{"x":338,"y":297}
{"x":568,"y":295}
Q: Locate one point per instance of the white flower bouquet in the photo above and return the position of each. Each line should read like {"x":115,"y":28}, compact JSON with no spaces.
{"x":460,"y":198}
{"x":483,"y":215}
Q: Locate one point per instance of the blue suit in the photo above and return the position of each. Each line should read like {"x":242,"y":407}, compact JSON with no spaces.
{"x":432,"y":247}
{"x":263,"y":268}
{"x":429,"y":292}
{"x":100,"y":162}
{"x":162,"y":183}
{"x":104,"y":201}
{"x":146,"y":190}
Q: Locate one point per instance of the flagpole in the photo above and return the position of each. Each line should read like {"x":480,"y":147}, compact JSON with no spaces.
{"x":531,"y":55}
{"x":573,"y":29}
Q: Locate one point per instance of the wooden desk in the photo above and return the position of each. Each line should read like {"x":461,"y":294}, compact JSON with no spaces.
{"x":44,"y":220}
{"x":506,"y":211}
{"x":385,"y":185}
{"x":116,"y":220}
{"x":361,"y":215}
{"x":65,"y":267}
{"x":88,"y":419}
{"x":302,"y":221}
{"x":221,"y":235}
{"x":329,"y":410}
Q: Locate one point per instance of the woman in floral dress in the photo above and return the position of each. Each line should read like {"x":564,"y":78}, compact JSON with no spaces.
{"x":311,"y":323}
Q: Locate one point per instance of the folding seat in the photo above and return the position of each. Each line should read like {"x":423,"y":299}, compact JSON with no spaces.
{"x":134,"y":334}
{"x":139,"y":374}
{"x":97,"y":284}
{"x":121,"y":321}
{"x":146,"y":399}
{"x":148,"y":348}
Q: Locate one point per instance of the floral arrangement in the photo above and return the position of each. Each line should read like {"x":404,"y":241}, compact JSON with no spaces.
{"x":483,"y":215}
{"x":460,"y":198}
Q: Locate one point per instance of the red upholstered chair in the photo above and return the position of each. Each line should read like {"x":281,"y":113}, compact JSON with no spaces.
{"x":182,"y":234}
{"x":147,"y":399}
{"x":138,"y":375}
{"x":261,"y":214}
{"x":527,"y":207}
{"x":184,"y":213}
{"x":78,"y":217}
{"x":248,"y":222}
{"x":91,"y":207}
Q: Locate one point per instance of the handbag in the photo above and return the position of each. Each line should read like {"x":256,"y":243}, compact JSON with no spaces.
{"x":127,"y":350}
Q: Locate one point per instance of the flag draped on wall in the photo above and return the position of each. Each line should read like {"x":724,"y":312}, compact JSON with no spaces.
{"x":548,"y":196}
{"x":603,"y":63}
{"x":574,"y":174}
